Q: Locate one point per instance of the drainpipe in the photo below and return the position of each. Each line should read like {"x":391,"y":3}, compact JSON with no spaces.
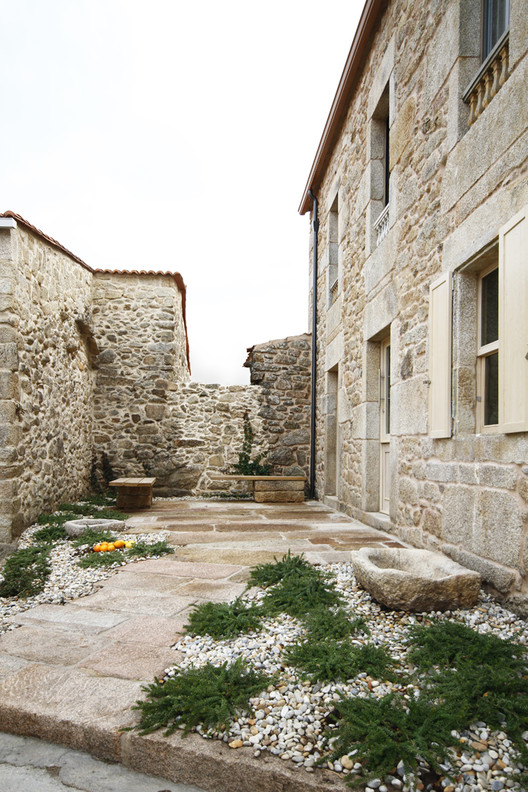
{"x":315,"y":226}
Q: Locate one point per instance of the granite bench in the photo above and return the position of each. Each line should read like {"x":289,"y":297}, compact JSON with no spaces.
{"x":271,"y":489}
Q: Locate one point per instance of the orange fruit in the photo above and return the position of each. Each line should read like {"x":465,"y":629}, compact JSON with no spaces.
{"x":119,"y":543}
{"x":111,"y":547}
{"x":97,"y":548}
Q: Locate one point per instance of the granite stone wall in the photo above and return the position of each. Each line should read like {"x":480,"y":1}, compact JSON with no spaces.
{"x":95,"y":362}
{"x":282,"y":369}
{"x":49,"y":377}
{"x":452,"y":187}
{"x":185,"y":433}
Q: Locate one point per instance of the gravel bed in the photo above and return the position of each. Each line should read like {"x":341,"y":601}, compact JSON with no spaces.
{"x":290,"y":717}
{"x":67,"y":580}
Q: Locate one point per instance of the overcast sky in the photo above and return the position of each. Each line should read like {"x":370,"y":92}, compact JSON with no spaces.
{"x":177,"y":136}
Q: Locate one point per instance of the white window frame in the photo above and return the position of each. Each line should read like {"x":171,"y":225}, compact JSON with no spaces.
{"x":484,"y":351}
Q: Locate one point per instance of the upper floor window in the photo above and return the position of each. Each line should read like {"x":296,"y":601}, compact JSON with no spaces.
{"x":333,"y":252}
{"x":495,"y":22}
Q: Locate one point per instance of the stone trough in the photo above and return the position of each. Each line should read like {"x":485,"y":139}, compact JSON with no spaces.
{"x":415,"y":580}
{"x":76,"y":528}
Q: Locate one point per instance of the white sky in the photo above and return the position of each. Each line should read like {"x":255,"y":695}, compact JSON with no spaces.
{"x":177,"y":136}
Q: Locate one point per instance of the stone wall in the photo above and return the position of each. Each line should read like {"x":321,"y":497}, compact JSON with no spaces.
{"x":282,"y":369}
{"x":50,"y":378}
{"x":186,"y":433}
{"x":452,"y":187}
{"x":97,"y":361}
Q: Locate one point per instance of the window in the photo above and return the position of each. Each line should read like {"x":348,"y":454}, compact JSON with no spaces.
{"x":495,"y":22}
{"x":493,"y":71}
{"x":333,"y":252}
{"x":500,"y":331}
{"x":380,"y":146}
{"x":488,"y":349}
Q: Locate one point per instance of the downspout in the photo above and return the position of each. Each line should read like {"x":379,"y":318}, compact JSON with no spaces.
{"x":315,"y":225}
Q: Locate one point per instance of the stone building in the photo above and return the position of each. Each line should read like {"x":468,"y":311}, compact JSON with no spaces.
{"x":419,"y":188}
{"x":96,"y":361}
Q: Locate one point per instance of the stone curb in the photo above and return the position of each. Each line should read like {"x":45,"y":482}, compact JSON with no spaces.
{"x":209,"y":764}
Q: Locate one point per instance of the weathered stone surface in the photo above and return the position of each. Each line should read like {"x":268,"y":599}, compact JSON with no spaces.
{"x":78,"y":527}
{"x":415,"y":580}
{"x":279,"y":496}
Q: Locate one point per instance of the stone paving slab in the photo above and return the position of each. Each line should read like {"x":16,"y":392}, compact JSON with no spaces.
{"x":52,"y":646}
{"x":131,"y":661}
{"x":147,"y":581}
{"x":215,"y":766}
{"x":214,"y":590}
{"x":152,"y":630}
{"x":10,"y":664}
{"x":175,"y":566}
{"x":71,"y":617}
{"x":134,"y":601}
{"x":70,"y":707}
{"x":243,"y":556}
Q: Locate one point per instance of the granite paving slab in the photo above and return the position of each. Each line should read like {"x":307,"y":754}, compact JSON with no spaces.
{"x":70,"y":617}
{"x":52,"y":645}
{"x":146,"y":581}
{"x":131,"y":660}
{"x":72,"y":707}
{"x":131,"y":601}
{"x":182,"y":569}
{"x":214,"y":590}
{"x":152,"y":630}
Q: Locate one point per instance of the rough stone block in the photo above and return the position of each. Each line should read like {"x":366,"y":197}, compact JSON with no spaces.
{"x":415,"y":580}
{"x":280,"y":496}
{"x":277,"y":486}
{"x":8,"y":385}
{"x":498,"y":476}
{"x":502,"y":578}
{"x":9,"y":356}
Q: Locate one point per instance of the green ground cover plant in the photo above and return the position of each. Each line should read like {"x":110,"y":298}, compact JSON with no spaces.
{"x":264,"y":575}
{"x":331,"y":660}
{"x":323,"y":624}
{"x":383,"y":732}
{"x":463,"y":677}
{"x":209,"y":696}
{"x":144,"y":550}
{"x":223,"y":619}
{"x":50,"y":533}
{"x":25,"y":572}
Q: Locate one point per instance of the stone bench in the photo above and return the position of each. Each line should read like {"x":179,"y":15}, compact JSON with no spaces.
{"x":134,"y":493}
{"x":271,"y":489}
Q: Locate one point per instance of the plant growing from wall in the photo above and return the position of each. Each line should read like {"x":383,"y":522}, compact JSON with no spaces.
{"x":95,"y":485}
{"x":108,"y":471}
{"x":245,"y":465}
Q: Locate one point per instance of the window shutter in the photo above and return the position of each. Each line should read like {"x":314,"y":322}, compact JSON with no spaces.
{"x":440,"y":357}
{"x":513,"y":324}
